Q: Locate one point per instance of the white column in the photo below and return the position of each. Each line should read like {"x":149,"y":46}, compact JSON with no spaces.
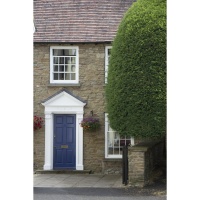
{"x":79,"y":142}
{"x":48,"y":160}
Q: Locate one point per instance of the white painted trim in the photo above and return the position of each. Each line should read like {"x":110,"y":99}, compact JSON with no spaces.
{"x":106,"y":61}
{"x":60,"y":105}
{"x":51,"y":65}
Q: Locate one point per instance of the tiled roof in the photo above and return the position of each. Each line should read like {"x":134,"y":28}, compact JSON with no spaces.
{"x":78,"y":20}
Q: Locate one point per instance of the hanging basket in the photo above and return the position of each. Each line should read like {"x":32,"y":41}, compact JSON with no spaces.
{"x":90,"y":124}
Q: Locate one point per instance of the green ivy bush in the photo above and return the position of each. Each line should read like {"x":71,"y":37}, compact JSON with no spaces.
{"x":136,"y":89}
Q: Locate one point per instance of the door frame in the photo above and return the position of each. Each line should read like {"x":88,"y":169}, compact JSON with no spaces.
{"x":63,"y":103}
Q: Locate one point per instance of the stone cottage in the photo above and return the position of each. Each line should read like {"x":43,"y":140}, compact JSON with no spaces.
{"x":72,"y":44}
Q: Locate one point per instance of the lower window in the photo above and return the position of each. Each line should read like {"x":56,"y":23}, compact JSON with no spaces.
{"x":114,"y":142}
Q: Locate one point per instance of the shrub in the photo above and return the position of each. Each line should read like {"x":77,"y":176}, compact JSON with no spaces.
{"x":136,"y":89}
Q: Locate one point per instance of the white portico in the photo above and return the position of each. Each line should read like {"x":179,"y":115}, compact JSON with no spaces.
{"x":63,"y":102}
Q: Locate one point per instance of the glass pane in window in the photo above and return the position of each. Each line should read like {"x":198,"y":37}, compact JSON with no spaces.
{"x":55,"y":68}
{"x":66,"y":52}
{"x":114,"y":146}
{"x":67,"y":68}
{"x":73,"y":52}
{"x":61,"y":76}
{"x":67,"y":76}
{"x":55,"y":76}
{"x":109,"y":52}
{"x":67,"y":60}
{"x":61,"y":60}
{"x":55,"y":60}
{"x":108,"y":60}
{"x":61,"y":68}
{"x":69,"y":52}
{"x":110,"y":142}
{"x":73,"y":60}
{"x":73,"y":76}
{"x":116,"y":150}
{"x":55,"y":52}
{"x":58,"y":52}
{"x":125,"y":141}
{"x":73,"y":67}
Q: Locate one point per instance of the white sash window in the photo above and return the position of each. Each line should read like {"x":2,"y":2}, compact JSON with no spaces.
{"x":64,"y":64}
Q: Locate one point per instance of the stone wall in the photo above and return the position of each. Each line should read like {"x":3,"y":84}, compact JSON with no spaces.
{"x":91,"y":78}
{"x":143,"y":159}
{"x":112,"y":166}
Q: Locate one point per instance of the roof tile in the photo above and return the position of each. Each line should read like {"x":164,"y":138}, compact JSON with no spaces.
{"x":78,"y":20}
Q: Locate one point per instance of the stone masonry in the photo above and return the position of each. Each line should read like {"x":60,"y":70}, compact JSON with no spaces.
{"x":143,"y":159}
{"x":92,"y":86}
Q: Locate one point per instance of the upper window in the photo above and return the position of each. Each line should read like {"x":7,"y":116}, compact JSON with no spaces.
{"x":107,"y":58}
{"x":64,"y":66}
{"x":114,"y":142}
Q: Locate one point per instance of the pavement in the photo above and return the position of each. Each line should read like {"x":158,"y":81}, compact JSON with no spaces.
{"x":78,"y":180}
{"x":97,"y":182}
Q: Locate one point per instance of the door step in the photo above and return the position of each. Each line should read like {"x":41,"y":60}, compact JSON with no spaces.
{"x":63,"y":172}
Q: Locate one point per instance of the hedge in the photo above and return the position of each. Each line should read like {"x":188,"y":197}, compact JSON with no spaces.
{"x":136,"y":88}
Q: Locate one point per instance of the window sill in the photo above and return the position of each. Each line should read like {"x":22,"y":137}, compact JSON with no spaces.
{"x":64,"y":85}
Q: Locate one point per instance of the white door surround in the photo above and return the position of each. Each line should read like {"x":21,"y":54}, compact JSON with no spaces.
{"x":63,"y":102}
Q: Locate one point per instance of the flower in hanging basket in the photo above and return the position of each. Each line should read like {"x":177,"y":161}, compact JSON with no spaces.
{"x":90,"y":124}
{"x":38,"y":122}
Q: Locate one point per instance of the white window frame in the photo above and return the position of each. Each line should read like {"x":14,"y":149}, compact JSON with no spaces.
{"x":76,"y":70}
{"x":106,"y":62}
{"x":106,"y":139}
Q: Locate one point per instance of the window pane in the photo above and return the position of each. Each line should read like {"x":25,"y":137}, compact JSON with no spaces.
{"x":55,"y":52}
{"x":73,"y":76}
{"x":73,"y":52}
{"x":109,"y":52}
{"x":67,"y":68}
{"x":114,"y":143}
{"x":61,"y":76}
{"x":55,"y":76}
{"x":66,"y":52}
{"x":67,"y":60}
{"x":67,"y":76}
{"x":61,"y":68}
{"x":73,"y":59}
{"x":61,"y":60}
{"x":108,"y":60}
{"x":70,"y":52}
{"x":73,"y":67}
{"x":58,"y":52}
{"x":55,"y":68}
{"x":55,"y":60}
{"x":110,"y":142}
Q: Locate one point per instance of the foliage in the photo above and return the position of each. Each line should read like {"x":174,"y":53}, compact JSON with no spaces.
{"x":38,"y":122}
{"x":90,"y":124}
{"x":136,"y":89}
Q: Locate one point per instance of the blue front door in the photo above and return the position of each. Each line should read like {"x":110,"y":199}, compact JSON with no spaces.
{"x":64,"y":142}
